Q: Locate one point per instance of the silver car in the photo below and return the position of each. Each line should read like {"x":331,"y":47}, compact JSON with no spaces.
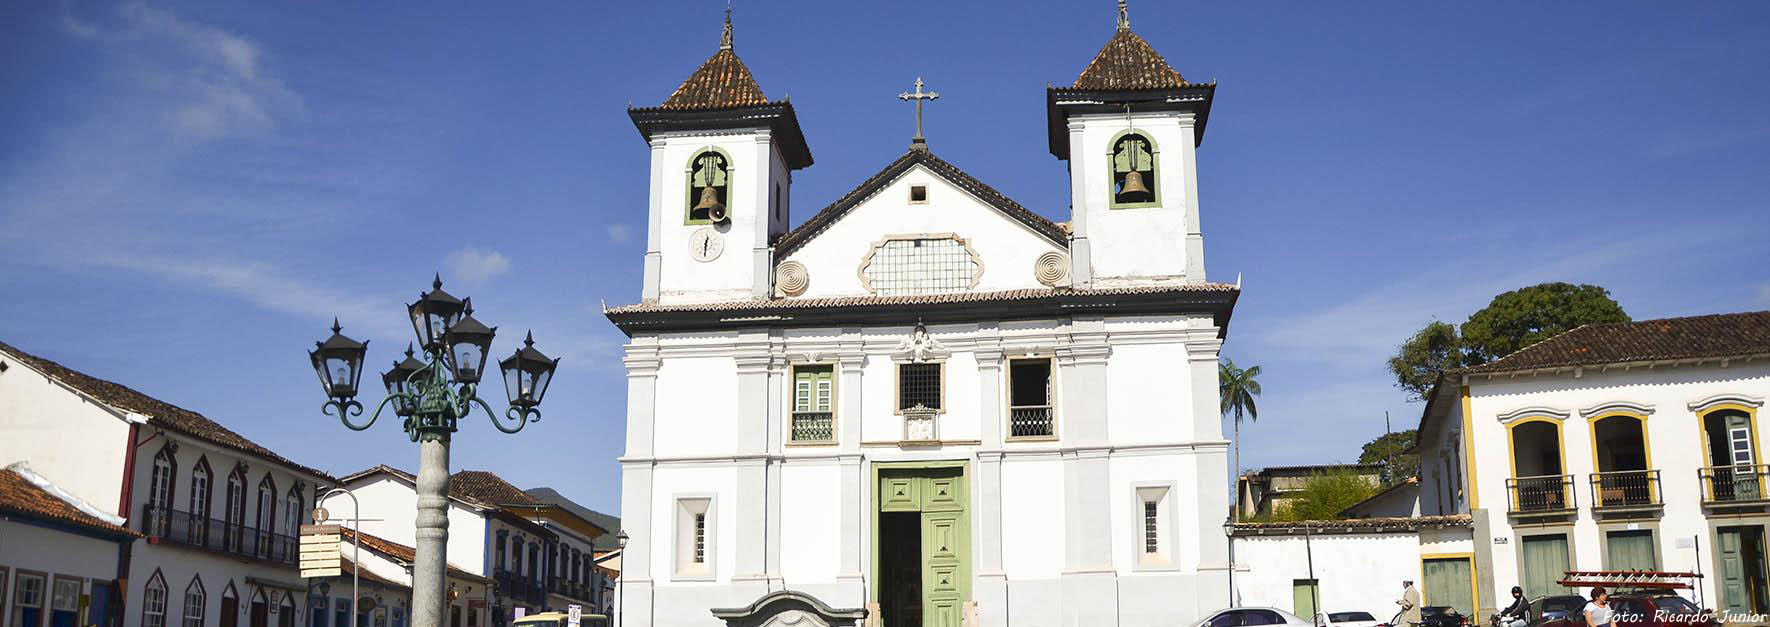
{"x":1251,"y":616}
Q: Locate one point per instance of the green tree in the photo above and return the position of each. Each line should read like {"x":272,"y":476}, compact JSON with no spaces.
{"x":1236,"y":389}
{"x":1431,"y":350}
{"x":1522,"y":317}
{"x":1395,"y":452}
{"x":1325,"y":494}
{"x":1512,"y":321}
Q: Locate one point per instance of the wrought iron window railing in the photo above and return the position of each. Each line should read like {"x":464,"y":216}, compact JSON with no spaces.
{"x":814,"y":426}
{"x":1030,"y":421}
{"x":1544,"y":493}
{"x":1625,"y":488}
{"x":1733,"y":484}
{"x":170,"y":525}
{"x":519,"y":587}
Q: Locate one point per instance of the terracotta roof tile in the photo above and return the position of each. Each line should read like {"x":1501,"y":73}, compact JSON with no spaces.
{"x":1128,"y":62}
{"x":792,"y":240}
{"x":922,"y":299}
{"x":397,"y":551}
{"x":1669,"y":339}
{"x":159,"y":413}
{"x":490,"y":488}
{"x":722,"y":82}
{"x":20,"y":496}
{"x":1354,"y":525}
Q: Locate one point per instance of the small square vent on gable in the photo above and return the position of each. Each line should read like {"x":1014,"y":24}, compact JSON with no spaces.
{"x":918,"y":194}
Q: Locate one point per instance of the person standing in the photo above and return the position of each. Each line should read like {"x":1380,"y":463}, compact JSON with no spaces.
{"x":1598,"y":611}
{"x":1410,"y":604}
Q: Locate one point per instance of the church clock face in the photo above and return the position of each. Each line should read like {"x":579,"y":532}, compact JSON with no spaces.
{"x":706,"y":244}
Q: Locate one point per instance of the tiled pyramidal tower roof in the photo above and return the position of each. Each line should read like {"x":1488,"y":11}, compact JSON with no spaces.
{"x":1128,"y":62}
{"x":722,"y":82}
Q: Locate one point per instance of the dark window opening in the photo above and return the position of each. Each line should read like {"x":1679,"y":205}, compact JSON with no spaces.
{"x":918,"y":193}
{"x":918,"y":385}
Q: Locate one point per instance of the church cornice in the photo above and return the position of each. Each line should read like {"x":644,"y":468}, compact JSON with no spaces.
{"x":964,"y":307}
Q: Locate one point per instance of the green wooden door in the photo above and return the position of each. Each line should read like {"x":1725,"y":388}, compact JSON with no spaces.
{"x":1545,"y":563}
{"x":1732,"y":562}
{"x":1449,"y":582}
{"x":1303,"y":598}
{"x":1631,"y":550}
{"x":938,"y":494}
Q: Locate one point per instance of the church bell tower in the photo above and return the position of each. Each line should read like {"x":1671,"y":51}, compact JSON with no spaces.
{"x":722,"y":157}
{"x":1128,"y":127}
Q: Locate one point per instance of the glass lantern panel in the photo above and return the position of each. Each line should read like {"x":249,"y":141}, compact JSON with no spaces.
{"x":338,"y":372}
{"x":513,"y":383}
{"x":540,"y":384}
{"x":469,"y":358}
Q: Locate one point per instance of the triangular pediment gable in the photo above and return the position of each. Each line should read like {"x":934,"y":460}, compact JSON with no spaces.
{"x":792,"y":240}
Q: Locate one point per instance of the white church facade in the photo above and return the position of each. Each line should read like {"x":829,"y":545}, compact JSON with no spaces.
{"x":926,"y":401}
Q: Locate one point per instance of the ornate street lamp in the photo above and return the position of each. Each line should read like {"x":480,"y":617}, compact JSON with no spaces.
{"x":433,"y":393}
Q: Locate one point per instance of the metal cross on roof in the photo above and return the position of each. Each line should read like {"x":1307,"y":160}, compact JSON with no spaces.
{"x":919,"y":96}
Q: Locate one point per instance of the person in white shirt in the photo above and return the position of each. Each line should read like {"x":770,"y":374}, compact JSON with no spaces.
{"x":1598,"y":611}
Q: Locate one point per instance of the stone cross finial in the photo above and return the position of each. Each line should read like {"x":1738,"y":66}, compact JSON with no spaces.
{"x":725,"y":38}
{"x":1124,"y":15}
{"x":919,"y":97}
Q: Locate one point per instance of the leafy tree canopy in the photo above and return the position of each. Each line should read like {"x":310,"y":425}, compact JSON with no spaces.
{"x":1324,"y":494}
{"x":1512,"y":321}
{"x":1392,"y":450}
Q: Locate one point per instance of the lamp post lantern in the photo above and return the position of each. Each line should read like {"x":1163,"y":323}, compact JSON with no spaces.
{"x":432,"y":390}
{"x":1229,"y":534}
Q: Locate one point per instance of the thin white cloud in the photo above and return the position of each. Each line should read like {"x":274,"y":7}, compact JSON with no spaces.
{"x":1366,"y":329}
{"x":265,"y":286}
{"x":619,"y":232}
{"x":475,"y":267}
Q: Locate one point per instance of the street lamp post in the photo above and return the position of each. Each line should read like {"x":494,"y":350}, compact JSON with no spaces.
{"x":433,"y":394}
{"x":621,"y":583}
{"x":1229,"y":534}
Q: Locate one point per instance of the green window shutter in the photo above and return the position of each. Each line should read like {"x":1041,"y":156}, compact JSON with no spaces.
{"x":1631,"y":550}
{"x":1545,"y":564}
{"x":813,"y":388}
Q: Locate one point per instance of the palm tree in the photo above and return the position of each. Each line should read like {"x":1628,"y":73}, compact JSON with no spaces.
{"x":1237,"y":389}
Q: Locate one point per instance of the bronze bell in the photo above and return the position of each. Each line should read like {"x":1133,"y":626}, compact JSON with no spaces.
{"x":1134,"y":190}
{"x":710,"y":202}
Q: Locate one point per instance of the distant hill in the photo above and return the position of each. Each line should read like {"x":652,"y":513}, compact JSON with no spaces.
{"x":607,"y":541}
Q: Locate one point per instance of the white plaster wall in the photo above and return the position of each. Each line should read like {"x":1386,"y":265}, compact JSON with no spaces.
{"x":26,"y":546}
{"x":395,"y":504}
{"x":1032,"y":517}
{"x":700,"y":416}
{"x":1005,"y":247}
{"x":1128,"y":471}
{"x":178,"y":566}
{"x":878,"y":382}
{"x":1147,"y":399}
{"x":221,"y":463}
{"x":694,"y":481}
{"x":1361,"y":572}
{"x":1127,"y":244}
{"x":74,"y":443}
{"x":1674,"y":440}
{"x":728,"y":277}
{"x":811,"y":522}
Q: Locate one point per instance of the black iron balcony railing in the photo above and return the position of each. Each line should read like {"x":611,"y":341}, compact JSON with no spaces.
{"x":814,"y":426}
{"x":1625,"y":489}
{"x":1733,"y":484}
{"x":520,"y":588}
{"x":1541,"y":494}
{"x":1031,"y":421}
{"x":160,"y":523}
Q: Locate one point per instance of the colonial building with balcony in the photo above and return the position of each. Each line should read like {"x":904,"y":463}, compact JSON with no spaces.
{"x":536,"y":555}
{"x":383,"y":571}
{"x":1629,"y":446}
{"x":218,"y":512}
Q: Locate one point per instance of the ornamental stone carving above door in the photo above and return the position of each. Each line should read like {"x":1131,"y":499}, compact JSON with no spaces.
{"x":789,"y":609}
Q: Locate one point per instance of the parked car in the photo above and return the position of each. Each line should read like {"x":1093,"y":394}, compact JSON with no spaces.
{"x":1657,"y":609}
{"x":1630,"y":609}
{"x":1559,"y":610}
{"x":1250,"y":616}
{"x":1347,"y":619}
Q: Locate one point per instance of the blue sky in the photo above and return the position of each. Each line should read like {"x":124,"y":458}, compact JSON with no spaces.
{"x":190,"y":191}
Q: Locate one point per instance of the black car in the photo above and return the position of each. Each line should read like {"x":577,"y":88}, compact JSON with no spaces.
{"x":1556,"y":610}
{"x":1441,"y":616}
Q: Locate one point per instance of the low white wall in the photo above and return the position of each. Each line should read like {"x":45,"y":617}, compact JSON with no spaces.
{"x":1358,"y":572}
